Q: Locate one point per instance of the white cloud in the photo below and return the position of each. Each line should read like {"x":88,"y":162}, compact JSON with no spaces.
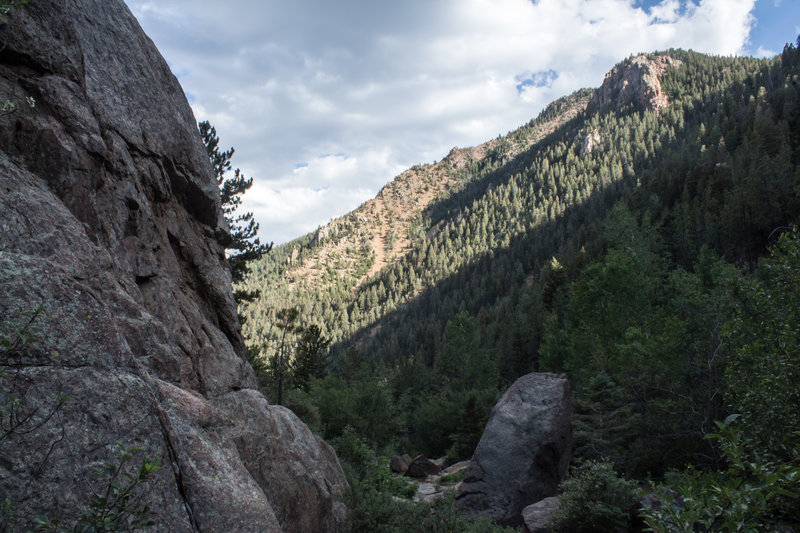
{"x":763,"y":52}
{"x":392,"y":84}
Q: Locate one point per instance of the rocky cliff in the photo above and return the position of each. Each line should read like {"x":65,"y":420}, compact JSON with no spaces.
{"x":635,"y":80}
{"x":115,"y":293}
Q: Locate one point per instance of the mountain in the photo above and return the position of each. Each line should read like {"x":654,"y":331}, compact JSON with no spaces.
{"x":125,"y":399}
{"x":468,"y":231}
{"x":343,"y":255}
{"x":609,"y":238}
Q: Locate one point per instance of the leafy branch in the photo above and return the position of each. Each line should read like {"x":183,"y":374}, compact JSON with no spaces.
{"x":753,"y":494}
{"x":7,"y":5}
{"x":119,"y":507}
{"x":14,"y":418}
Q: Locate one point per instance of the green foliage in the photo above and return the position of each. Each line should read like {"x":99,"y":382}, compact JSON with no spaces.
{"x":280,"y":356}
{"x":758,"y":489}
{"x":378,"y":511}
{"x":472,"y":417}
{"x":311,"y":358}
{"x":245,"y":245}
{"x":365,"y":404}
{"x":455,"y":477}
{"x":595,"y":499}
{"x":302,"y":404}
{"x":764,"y":371}
{"x":8,"y":108}
{"x":8,"y":5}
{"x":754,"y":493}
{"x":16,"y":337}
{"x":119,"y":506}
{"x":642,"y":343}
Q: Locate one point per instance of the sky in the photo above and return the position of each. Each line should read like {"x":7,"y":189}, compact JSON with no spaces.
{"x":327,"y":101}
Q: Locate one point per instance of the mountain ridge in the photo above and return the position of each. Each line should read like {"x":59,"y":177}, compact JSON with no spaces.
{"x":353,"y":248}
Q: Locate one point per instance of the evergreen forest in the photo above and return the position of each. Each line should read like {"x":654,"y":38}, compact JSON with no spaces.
{"x":652,"y":256}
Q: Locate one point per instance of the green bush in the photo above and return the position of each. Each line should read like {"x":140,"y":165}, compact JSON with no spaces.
{"x":120,"y":506}
{"x":753,"y":494}
{"x":595,"y":499}
{"x":303,"y":406}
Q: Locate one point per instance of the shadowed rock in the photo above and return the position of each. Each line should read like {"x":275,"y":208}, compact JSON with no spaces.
{"x":422,"y":467}
{"x":524,"y":451}
{"x":537,"y":516}
{"x":110,"y":221}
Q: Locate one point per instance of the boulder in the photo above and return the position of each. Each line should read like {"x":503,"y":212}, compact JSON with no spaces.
{"x":112,"y":256}
{"x":524,"y":451}
{"x":422,"y":467}
{"x":535,"y":517}
{"x":399,"y":464}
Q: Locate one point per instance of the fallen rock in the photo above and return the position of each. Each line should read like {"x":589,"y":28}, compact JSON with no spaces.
{"x":429,"y":491}
{"x":399,"y":464}
{"x":536,"y":517}
{"x":455,"y":468}
{"x":422,"y":467}
{"x":524,"y":451}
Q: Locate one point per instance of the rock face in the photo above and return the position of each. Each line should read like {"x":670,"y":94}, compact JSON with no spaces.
{"x":524,"y":451}
{"x":590,"y":141}
{"x":110,"y":226}
{"x":635,"y":80}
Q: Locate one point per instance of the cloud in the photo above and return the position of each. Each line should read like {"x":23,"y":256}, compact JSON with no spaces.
{"x":392,"y":84}
{"x":764,"y":52}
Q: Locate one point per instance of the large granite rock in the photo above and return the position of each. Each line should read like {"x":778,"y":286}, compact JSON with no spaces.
{"x":110,"y":222}
{"x":524,"y":451}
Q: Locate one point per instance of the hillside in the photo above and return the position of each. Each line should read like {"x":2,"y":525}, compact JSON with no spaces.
{"x":637,"y":237}
{"x":487,"y":219}
{"x":333,"y":262}
{"x":702,"y":149}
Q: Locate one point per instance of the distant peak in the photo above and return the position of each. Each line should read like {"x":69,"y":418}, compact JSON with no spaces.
{"x":636,"y":80}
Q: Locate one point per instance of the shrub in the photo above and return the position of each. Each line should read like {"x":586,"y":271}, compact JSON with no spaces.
{"x":753,"y":494}
{"x":303,"y":406}
{"x":595,"y":499}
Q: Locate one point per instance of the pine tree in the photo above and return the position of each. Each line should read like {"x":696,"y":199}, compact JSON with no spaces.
{"x":245,"y":245}
{"x":312,"y":356}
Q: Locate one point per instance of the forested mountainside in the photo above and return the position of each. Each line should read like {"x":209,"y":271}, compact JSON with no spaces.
{"x":616,"y":237}
{"x":486,"y":220}
{"x":319,"y":271}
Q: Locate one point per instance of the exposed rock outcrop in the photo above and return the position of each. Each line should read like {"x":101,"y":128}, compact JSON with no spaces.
{"x":524,"y":451}
{"x":635,"y":80}
{"x":110,"y":222}
{"x":591,"y":140}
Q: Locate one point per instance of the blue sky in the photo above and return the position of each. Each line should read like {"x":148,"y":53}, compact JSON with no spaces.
{"x":777,"y":22}
{"x":325,"y":102}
